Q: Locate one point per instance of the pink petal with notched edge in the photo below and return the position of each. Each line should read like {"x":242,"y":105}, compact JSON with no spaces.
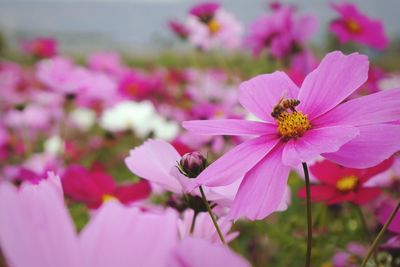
{"x":262,"y":188}
{"x":234,"y":164}
{"x":154,"y":161}
{"x":193,"y":252}
{"x":260,"y":94}
{"x":123,"y":236}
{"x":316,"y":141}
{"x":336,"y":77}
{"x":35,"y":227}
{"x":366,"y":194}
{"x":380,"y":107}
{"x":374,"y":144}
{"x":229,"y":127}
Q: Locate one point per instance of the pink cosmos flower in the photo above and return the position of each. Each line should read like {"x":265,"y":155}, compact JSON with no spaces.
{"x":138,"y":86}
{"x":95,"y":186}
{"x":36,"y":230}
{"x":280,"y":34}
{"x":210,"y":26}
{"x":356,"y":134}
{"x":41,"y":47}
{"x":340,"y":184}
{"x":355,"y":26}
{"x":107,"y":62}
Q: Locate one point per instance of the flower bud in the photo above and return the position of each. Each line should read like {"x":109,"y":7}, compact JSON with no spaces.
{"x":192,"y":164}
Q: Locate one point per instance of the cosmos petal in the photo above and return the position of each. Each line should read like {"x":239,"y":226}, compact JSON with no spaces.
{"x":374,"y":144}
{"x":336,"y":77}
{"x":262,"y":189}
{"x":260,"y":94}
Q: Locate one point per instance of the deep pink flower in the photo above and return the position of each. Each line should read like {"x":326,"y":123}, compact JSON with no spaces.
{"x":205,"y":11}
{"x":178,"y":28}
{"x":281,"y":33}
{"x":95,"y":186}
{"x":383,"y":212}
{"x":139,"y":86}
{"x":341,"y":184}
{"x":356,"y":134}
{"x":36,"y":230}
{"x":355,"y":26}
{"x":351,"y":257}
{"x":41,"y":47}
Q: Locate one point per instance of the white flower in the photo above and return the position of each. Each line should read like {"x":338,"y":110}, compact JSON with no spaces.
{"x":83,"y":118}
{"x":54,"y":145}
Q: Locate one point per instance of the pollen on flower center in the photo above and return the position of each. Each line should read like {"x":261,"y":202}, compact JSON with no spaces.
{"x":292,"y":125}
{"x":353,"y":26}
{"x":107,"y":197}
{"x":347,"y":183}
{"x":213,"y":26}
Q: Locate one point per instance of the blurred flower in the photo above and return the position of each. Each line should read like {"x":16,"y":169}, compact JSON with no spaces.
{"x":391,"y":81}
{"x":141,"y":118}
{"x":95,"y":186}
{"x":355,"y":26}
{"x":383,"y":211}
{"x":311,"y":122}
{"x":178,"y":28}
{"x":41,"y":47}
{"x":210,"y":26}
{"x":352,"y":257}
{"x":280,"y":34}
{"x":107,"y":62}
{"x":82,"y":118}
{"x":341,"y":184}
{"x":36,"y":230}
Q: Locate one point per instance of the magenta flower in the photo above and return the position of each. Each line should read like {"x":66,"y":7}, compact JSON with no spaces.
{"x":280,"y":33}
{"x":297,"y":126}
{"x":204,"y":11}
{"x":41,"y":47}
{"x":355,"y":26}
{"x":95,"y":186}
{"x":178,"y":28}
{"x":340,"y":184}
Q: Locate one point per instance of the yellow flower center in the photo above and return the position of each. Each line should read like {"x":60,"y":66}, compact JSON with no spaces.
{"x":107,"y":197}
{"x":347,"y":183}
{"x":292,"y":125}
{"x":213,"y":26}
{"x":353,"y":26}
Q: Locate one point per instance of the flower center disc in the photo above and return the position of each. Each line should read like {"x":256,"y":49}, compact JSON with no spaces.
{"x":213,"y":26}
{"x":347,"y":183}
{"x":353,"y":26}
{"x":292,"y":125}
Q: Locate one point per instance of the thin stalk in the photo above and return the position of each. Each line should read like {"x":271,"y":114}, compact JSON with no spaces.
{"x":309,"y":216}
{"x":193,"y":222}
{"x":380,"y":235}
{"x":366,"y":230}
{"x":203,"y":196}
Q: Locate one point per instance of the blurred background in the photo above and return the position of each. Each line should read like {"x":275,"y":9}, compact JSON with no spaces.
{"x":139,"y":26}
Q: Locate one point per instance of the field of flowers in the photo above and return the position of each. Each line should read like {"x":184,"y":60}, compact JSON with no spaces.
{"x":252,"y":149}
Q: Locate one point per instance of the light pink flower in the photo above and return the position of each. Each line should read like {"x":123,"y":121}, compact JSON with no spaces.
{"x":356,"y":134}
{"x":37,"y":231}
{"x":355,"y":26}
{"x":210,"y":26}
{"x":107,"y":62}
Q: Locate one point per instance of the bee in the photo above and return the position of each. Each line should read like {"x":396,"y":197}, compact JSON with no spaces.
{"x":283,"y":105}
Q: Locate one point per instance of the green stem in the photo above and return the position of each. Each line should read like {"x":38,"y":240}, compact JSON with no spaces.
{"x":380,"y":235}
{"x":193,"y":222}
{"x":203,"y":196}
{"x":309,"y":216}
{"x":366,"y":230}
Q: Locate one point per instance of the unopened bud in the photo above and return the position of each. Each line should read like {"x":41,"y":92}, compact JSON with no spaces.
{"x":192,"y":164}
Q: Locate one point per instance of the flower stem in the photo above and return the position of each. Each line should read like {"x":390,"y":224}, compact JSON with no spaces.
{"x":309,"y":217}
{"x":193,"y":222}
{"x":380,"y":235}
{"x":203,"y":196}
